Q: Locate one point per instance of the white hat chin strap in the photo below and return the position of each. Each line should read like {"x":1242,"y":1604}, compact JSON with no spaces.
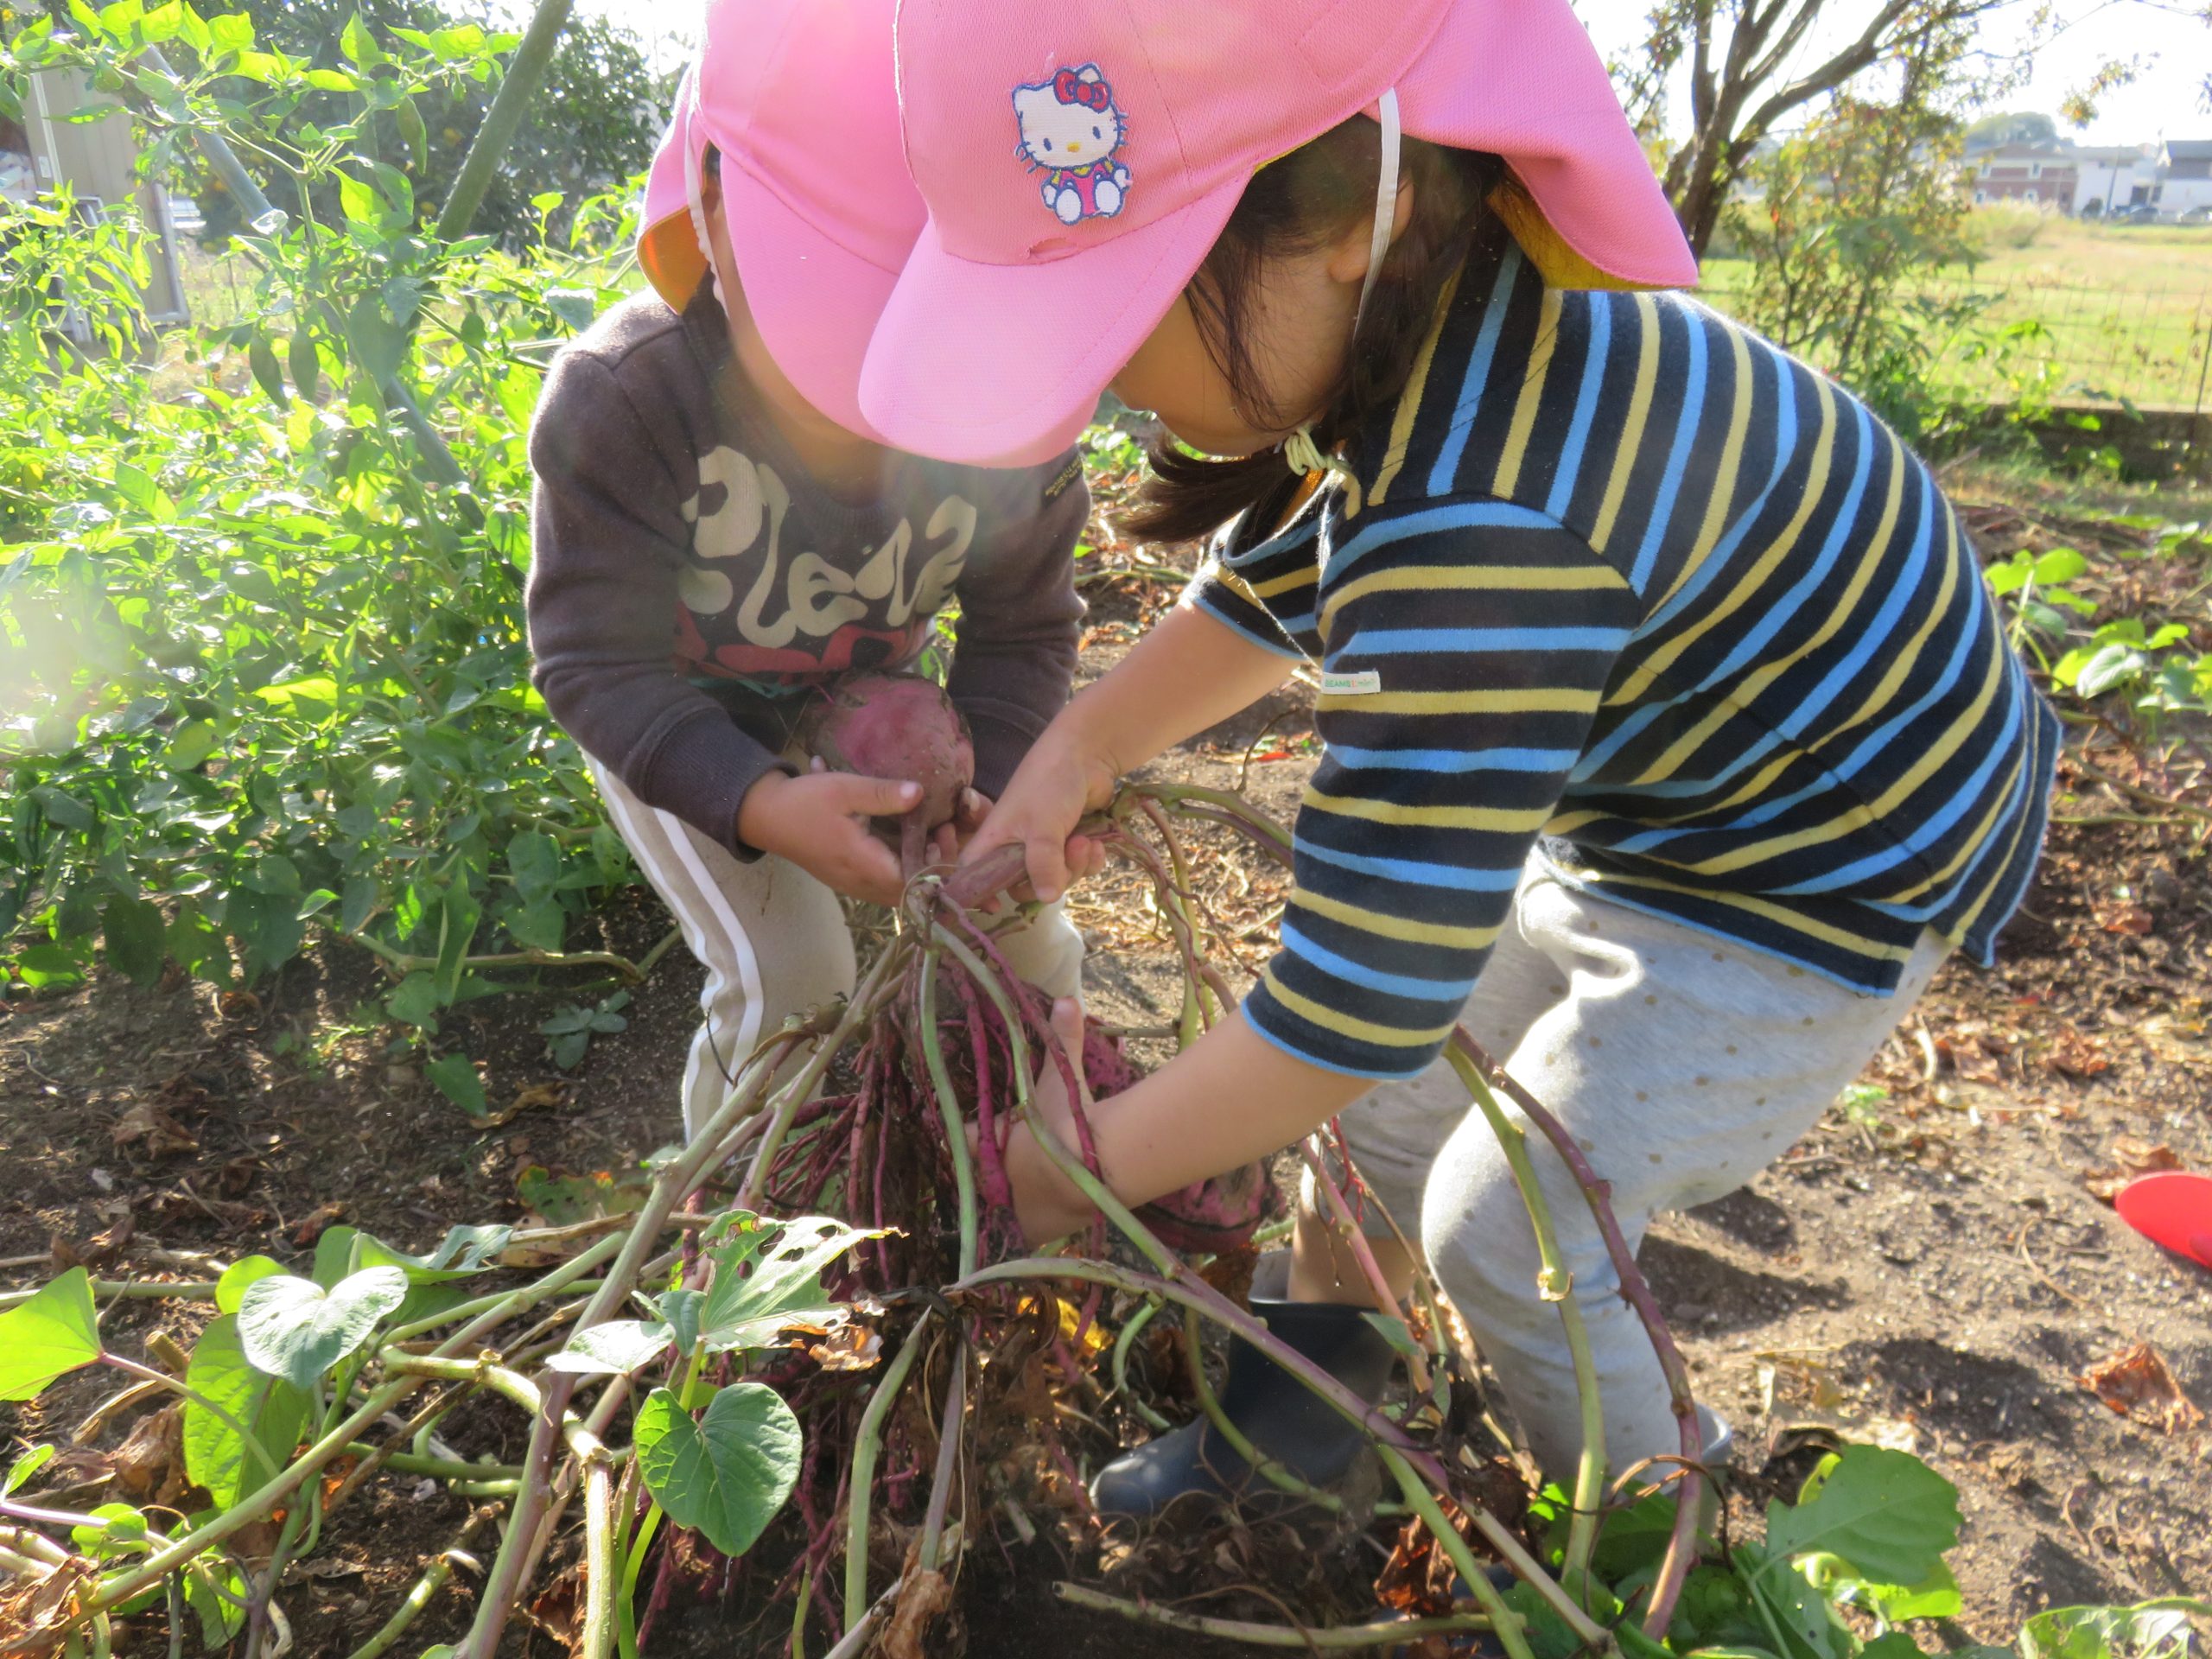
{"x":1386,"y":204}
{"x":695,"y":191}
{"x":1300,"y":451}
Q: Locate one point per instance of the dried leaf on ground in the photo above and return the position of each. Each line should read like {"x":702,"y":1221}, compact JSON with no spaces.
{"x":2132,"y":1157}
{"x":32,"y":1614}
{"x":926,"y":1597}
{"x":148,"y":1125}
{"x":2074,"y":1055}
{"x":558,"y":1609}
{"x":96,"y":1251}
{"x":150,"y":1465}
{"x":2137,"y":1381}
{"x":322,"y":1221}
{"x":1975,"y":1053}
{"x":529,"y":1099}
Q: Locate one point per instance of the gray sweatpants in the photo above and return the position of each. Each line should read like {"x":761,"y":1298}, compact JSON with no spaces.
{"x":773,"y":940}
{"x":1681,"y":1064}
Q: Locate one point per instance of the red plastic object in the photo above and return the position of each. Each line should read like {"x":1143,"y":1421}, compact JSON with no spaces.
{"x":2173,"y":1208}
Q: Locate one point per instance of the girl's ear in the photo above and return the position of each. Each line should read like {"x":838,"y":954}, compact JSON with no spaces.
{"x":1347,"y":256}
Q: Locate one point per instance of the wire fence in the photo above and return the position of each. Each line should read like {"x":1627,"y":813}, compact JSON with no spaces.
{"x":2080,"y":342}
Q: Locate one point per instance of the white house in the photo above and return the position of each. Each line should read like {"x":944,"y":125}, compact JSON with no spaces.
{"x":2113,"y":175}
{"x":2187,"y":165}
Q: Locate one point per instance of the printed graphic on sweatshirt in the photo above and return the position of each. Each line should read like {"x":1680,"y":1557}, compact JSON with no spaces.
{"x":754,"y":609}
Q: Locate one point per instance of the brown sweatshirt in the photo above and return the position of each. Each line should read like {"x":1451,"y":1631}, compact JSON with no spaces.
{"x":690,"y":582}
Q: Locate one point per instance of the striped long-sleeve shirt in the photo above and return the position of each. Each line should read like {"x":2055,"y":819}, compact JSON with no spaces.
{"x":1620,"y":573}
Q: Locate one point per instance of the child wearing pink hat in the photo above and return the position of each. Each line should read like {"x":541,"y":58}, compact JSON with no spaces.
{"x":1672,"y":740}
{"x":719,"y":535}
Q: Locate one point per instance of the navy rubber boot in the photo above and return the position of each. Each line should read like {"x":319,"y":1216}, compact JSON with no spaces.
{"x":1280,"y":1416}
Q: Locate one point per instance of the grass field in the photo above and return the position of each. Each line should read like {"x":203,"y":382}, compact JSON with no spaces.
{"x":2128,"y":310}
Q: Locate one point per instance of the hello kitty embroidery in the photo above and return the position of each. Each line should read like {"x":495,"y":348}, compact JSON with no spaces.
{"x":1072,"y":129}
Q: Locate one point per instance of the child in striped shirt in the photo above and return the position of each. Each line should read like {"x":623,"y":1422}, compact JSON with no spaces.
{"x":1672,"y":740}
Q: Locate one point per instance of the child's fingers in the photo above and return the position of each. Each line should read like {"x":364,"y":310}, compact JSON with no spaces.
{"x":1046,"y":861}
{"x":875,"y":797}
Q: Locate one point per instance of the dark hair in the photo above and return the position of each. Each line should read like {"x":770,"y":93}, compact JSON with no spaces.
{"x":1309,"y":198}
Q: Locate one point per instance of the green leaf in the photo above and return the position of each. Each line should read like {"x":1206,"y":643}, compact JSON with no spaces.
{"x":415,"y":1001}
{"x":616,"y":1348}
{"x":768,"y":1278}
{"x":56,"y":1333}
{"x":362,"y":204}
{"x":727,"y":1475}
{"x":294,"y":1329}
{"x":231,"y":1288}
{"x":221,"y":1619}
{"x":1887,"y":1512}
{"x":2156,"y":1630}
{"x":23,"y":1468}
{"x":462,"y":1253}
{"x":1799,"y":1612}
{"x":215,"y":1454}
{"x":133,"y":934}
{"x":1935,"y":1597}
{"x":334,"y":1256}
{"x":2059,"y":564}
{"x":2113,"y":665}
{"x":454,"y":1077}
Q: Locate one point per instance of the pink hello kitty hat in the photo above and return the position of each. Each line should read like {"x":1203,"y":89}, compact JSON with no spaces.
{"x":1080,"y":159}
{"x":799,"y":98}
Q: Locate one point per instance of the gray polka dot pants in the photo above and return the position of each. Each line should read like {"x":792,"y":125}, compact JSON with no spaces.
{"x":1683,"y":1064}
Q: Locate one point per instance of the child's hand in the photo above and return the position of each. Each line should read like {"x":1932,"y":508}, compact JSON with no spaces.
{"x":1056,"y":784}
{"x":1045,"y":1202}
{"x":955,"y":832}
{"x":819,"y":822}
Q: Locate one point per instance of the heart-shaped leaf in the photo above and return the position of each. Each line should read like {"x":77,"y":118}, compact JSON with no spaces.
{"x":618,"y":1347}
{"x":727,"y":1475}
{"x":768,"y":1278}
{"x":1887,"y":1512}
{"x":55,"y":1332}
{"x":246,"y":1271}
{"x":216,"y":1455}
{"x":293,"y":1329}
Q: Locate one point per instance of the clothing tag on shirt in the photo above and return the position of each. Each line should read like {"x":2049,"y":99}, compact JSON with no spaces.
{"x":1363,"y":683}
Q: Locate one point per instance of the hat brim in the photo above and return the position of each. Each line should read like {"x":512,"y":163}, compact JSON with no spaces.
{"x":1521,"y":79}
{"x":815,"y":303}
{"x":1002,"y":366}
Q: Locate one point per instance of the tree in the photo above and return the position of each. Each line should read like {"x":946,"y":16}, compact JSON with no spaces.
{"x":2013,"y":127}
{"x":1740,"y":55}
{"x":1843,"y":218}
{"x":593,"y":126}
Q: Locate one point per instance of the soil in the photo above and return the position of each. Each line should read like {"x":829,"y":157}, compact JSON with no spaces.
{"x":1930,"y":1267}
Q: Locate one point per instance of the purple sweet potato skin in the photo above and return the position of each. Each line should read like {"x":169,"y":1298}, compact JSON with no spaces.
{"x":895,"y":726}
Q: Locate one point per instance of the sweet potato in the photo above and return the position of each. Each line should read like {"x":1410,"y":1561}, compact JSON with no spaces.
{"x":896,"y":725}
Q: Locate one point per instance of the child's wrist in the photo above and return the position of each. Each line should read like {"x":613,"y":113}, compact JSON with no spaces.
{"x":757,"y":810}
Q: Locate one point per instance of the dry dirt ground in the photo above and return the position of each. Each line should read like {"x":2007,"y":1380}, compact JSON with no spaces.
{"x":1930,"y":1268}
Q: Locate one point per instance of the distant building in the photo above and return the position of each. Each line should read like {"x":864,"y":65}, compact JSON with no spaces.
{"x":98,"y":160}
{"x":2187,"y":184}
{"x":2045,"y":175}
{"x":2111,"y":176}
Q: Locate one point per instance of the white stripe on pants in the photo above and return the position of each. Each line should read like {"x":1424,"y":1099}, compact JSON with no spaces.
{"x":1683,"y":1064}
{"x":773,"y":940}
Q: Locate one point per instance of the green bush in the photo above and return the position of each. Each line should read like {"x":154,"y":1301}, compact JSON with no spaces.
{"x":261,"y":659}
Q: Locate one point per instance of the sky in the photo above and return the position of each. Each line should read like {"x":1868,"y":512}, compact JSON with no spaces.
{"x":2172,"y":47}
